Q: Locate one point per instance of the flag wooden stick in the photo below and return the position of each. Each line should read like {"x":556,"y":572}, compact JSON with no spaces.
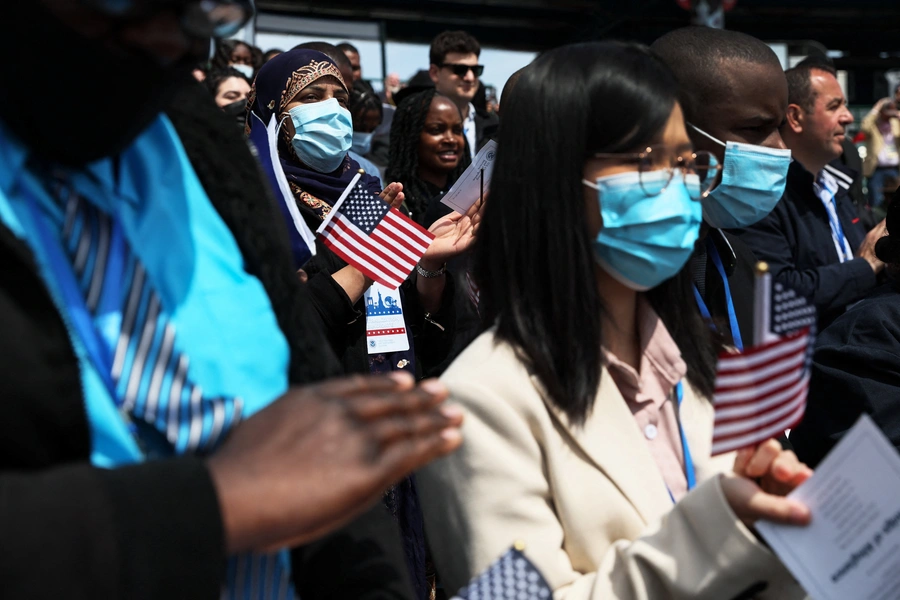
{"x":340,"y":201}
{"x":481,"y":197}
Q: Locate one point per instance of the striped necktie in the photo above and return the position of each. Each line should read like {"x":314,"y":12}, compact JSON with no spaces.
{"x":152,"y":379}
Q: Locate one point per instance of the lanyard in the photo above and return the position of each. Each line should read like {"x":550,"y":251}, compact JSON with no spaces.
{"x":729,"y":302}
{"x":98,"y":350}
{"x":689,"y":473}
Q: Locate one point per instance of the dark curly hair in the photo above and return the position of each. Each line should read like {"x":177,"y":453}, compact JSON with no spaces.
{"x":403,"y":161}
{"x":361,"y":102}
{"x":224,"y":49}
{"x":216,"y":76}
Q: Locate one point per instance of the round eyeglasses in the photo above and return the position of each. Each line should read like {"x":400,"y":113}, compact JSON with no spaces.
{"x":704,"y":165}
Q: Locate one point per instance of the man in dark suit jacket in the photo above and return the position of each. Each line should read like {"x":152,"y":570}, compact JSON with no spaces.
{"x":455,"y":71}
{"x":813,"y":240}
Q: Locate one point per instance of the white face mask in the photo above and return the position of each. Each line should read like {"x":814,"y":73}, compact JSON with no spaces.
{"x":245,"y":70}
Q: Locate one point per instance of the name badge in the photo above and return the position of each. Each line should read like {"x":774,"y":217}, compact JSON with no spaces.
{"x":385,"y":327}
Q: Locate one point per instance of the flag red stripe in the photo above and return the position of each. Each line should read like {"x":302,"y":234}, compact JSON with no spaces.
{"x":386,"y":235}
{"x":763,"y":421}
{"x":771,"y":368}
{"x":400,"y":268}
{"x":359,"y":264}
{"x":739,"y":396}
{"x":380,"y":332}
{"x":758,"y":421}
{"x":767,"y":403}
{"x":774,"y":430}
{"x":414,"y":230}
{"x":753,"y":357}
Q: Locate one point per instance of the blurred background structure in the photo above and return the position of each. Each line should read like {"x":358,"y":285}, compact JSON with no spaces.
{"x":862,"y":37}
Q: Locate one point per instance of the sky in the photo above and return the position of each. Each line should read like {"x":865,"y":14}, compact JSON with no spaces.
{"x":405,"y":59}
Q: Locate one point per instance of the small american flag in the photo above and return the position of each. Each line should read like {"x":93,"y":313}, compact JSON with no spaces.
{"x":511,"y":576}
{"x":762,"y":392}
{"x":373,"y":237}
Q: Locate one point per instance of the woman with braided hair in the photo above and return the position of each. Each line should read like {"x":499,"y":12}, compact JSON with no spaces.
{"x":428,"y":152}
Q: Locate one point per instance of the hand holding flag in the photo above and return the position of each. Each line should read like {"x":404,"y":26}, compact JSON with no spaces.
{"x":374,"y":237}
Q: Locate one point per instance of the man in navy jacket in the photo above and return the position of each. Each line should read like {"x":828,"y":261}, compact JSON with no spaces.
{"x":813,"y":240}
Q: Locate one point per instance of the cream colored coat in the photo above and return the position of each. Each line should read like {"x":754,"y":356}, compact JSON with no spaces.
{"x":588,"y":502}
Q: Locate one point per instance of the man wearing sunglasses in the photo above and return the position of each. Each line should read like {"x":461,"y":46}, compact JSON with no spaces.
{"x":154,"y":440}
{"x":455,"y":72}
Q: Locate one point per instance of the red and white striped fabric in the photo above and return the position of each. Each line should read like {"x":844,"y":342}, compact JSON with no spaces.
{"x":760,"y":392}
{"x":373,"y":237}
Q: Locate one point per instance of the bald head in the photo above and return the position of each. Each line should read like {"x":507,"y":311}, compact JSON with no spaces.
{"x":707,"y":61}
{"x":731,"y":85}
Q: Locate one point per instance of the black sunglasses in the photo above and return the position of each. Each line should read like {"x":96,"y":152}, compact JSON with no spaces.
{"x":201,"y":18}
{"x":461,"y":70}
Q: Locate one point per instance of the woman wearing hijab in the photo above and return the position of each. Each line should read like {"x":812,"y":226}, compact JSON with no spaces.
{"x":305,"y":91}
{"x":588,"y":438}
{"x":428,"y":152}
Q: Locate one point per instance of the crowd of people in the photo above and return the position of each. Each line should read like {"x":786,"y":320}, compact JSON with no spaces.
{"x":193,"y":409}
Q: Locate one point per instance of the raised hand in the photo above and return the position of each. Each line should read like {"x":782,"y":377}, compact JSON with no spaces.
{"x":393,"y":194}
{"x":321,"y":454}
{"x":454,"y":234}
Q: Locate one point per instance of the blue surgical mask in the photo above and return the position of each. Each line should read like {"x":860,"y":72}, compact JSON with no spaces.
{"x":362,"y":142}
{"x":646,"y":239}
{"x":753,"y":180}
{"x":323,"y":134}
{"x":245,"y":70}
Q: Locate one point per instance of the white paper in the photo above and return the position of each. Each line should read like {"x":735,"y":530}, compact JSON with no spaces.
{"x":385,"y":326}
{"x":851,"y":549}
{"x":467,"y":189}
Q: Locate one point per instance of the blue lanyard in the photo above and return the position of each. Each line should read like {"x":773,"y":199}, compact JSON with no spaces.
{"x":98,"y":350}
{"x":729,"y":302}
{"x":689,"y":472}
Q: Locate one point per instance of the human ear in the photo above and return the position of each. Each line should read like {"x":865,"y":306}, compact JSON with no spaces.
{"x":433,"y":73}
{"x":795,"y":117}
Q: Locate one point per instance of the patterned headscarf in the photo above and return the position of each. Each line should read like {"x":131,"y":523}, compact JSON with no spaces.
{"x":278,"y":82}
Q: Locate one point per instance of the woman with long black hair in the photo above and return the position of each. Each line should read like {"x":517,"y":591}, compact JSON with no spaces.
{"x":428,"y":152}
{"x":588,"y":420}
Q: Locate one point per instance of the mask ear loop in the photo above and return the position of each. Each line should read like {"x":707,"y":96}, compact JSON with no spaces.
{"x":698,"y":130}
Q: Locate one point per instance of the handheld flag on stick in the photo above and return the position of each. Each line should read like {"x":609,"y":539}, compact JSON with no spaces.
{"x":511,"y":576}
{"x":378,"y":240}
{"x":761,"y":392}
{"x":264,"y":139}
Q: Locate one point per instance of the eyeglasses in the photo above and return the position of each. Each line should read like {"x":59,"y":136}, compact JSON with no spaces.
{"x":463,"y":70}
{"x":703,"y":164}
{"x":199,"y":18}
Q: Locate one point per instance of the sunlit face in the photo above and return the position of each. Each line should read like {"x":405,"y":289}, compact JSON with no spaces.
{"x":441,"y":142}
{"x":751,"y":108}
{"x":459,"y":89}
{"x":322,"y":89}
{"x":824,"y":127}
{"x":673,"y":137}
{"x":231,"y":90}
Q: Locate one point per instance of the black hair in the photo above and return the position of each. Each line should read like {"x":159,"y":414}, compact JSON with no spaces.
{"x":270,"y":54}
{"x":534,"y":259}
{"x":329,"y":50}
{"x":800,"y":90}
{"x":403,"y":159}
{"x":452,"y":41}
{"x":224,"y":49}
{"x":347,"y":47}
{"x":887,"y":249}
{"x":362,"y":101}
{"x":216,"y":76}
{"x":698,"y":56}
